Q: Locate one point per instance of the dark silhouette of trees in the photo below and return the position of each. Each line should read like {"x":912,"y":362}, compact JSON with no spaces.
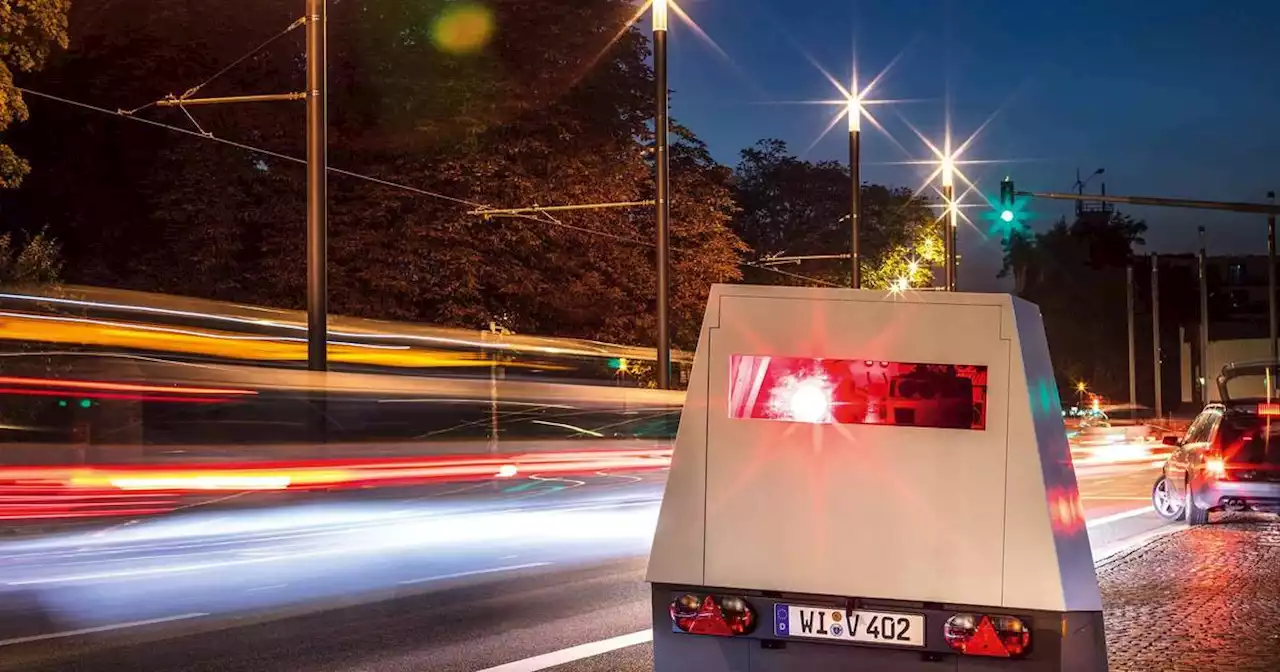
{"x":1076,"y":274}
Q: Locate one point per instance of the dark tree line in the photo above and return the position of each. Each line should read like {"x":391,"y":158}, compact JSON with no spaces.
{"x":1076,"y":274}
{"x":555,"y":107}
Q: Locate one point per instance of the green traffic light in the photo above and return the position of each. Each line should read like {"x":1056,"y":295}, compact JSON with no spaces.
{"x":62,"y":403}
{"x":1007,"y":216}
{"x":86,"y":403}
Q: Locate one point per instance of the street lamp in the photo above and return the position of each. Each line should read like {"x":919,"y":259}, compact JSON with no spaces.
{"x":317,"y":196}
{"x":662,"y":197}
{"x":855,"y":177}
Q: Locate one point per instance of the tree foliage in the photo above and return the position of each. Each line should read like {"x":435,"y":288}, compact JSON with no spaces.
{"x":36,"y":262}
{"x":553,"y":109}
{"x":1076,"y":274}
{"x":792,"y":207}
{"x":29,"y":31}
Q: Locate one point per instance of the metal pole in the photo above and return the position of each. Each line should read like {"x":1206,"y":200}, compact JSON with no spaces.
{"x":1155,"y":330}
{"x":855,"y":204}
{"x":1204,"y":321}
{"x":662,"y":192}
{"x":1274,"y":332}
{"x":317,"y":167}
{"x":948,"y":273}
{"x":1133,"y":351}
{"x":1227,"y":206}
{"x":954,"y":228}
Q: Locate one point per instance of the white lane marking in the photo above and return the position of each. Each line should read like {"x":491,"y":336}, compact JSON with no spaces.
{"x":1107,"y":520}
{"x":574,"y":653}
{"x":271,"y":587}
{"x":1110,"y":551}
{"x":475,"y":572}
{"x":100,"y":628}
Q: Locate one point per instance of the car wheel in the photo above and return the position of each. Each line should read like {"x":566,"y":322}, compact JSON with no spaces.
{"x":1166,"y":503}
{"x":1196,"y":515}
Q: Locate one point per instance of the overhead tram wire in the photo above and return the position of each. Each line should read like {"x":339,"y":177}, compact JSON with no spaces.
{"x":301,"y":21}
{"x":128,"y":115}
{"x":246,"y":147}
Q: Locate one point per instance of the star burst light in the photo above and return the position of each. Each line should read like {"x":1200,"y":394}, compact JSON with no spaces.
{"x":947,"y":162}
{"x":854,"y":100}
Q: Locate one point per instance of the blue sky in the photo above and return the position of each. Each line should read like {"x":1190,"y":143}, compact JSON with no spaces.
{"x":1176,"y":98}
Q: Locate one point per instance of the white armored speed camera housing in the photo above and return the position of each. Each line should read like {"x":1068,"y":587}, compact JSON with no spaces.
{"x":874,"y":481}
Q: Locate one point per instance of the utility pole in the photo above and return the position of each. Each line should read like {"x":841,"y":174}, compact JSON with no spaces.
{"x":1201,"y":260}
{"x":1155,"y":329}
{"x":317,"y":197}
{"x":948,"y":226}
{"x":660,"y":131}
{"x":1274,"y":332}
{"x":1133,"y":353}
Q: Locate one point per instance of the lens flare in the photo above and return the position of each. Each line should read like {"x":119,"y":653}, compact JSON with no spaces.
{"x":463,"y":28}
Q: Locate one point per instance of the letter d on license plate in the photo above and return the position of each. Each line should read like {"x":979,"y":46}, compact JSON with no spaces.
{"x":864,"y":627}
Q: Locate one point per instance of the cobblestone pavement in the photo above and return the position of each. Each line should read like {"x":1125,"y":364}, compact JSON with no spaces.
{"x":1203,"y":599}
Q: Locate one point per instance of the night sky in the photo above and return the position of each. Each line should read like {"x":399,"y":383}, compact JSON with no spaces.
{"x":1174,"y":98}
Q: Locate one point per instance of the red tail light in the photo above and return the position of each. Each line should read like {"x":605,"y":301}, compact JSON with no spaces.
{"x":982,"y":635}
{"x":719,"y":615}
{"x":1215,"y":467}
{"x":1268,"y":409}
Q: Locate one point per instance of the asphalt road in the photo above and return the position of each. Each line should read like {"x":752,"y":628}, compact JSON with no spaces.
{"x":465,"y":579}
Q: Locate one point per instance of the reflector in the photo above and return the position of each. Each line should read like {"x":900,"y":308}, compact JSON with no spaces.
{"x":720,"y":616}
{"x":993,"y":636}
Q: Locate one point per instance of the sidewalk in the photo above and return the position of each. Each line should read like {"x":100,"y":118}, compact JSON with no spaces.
{"x":1202,"y":599}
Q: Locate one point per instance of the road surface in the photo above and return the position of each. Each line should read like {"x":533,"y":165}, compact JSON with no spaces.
{"x":463,"y":579}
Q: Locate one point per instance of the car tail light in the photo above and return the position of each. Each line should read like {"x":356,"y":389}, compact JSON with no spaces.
{"x":1268,"y":409}
{"x":719,"y":615}
{"x":983,"y":635}
{"x":1215,"y":467}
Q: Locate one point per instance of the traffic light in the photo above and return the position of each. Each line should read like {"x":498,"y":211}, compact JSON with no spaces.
{"x":1007,"y":192}
{"x":1007,"y":214}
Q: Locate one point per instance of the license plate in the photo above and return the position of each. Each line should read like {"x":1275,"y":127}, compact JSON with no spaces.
{"x":864,"y":627}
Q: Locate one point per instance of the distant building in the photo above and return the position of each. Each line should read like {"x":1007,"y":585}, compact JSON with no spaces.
{"x":1238,"y":317}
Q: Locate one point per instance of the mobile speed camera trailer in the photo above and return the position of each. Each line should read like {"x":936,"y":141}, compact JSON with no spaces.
{"x":872,"y":482}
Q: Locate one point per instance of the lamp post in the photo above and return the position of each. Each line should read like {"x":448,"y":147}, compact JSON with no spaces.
{"x":317,"y":171}
{"x":660,"y":130}
{"x":1273,"y":331}
{"x":855,"y":177}
{"x":949,"y":223}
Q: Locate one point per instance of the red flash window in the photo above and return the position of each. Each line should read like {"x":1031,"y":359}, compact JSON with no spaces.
{"x":858,"y":392}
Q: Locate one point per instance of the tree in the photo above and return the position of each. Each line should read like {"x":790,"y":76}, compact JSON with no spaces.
{"x":28,"y":33}
{"x":38,"y":262}
{"x":1076,"y":274}
{"x":792,"y":207}
{"x":553,"y":108}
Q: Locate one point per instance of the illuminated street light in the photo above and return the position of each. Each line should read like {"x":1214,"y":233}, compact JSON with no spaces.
{"x":660,"y":15}
{"x":660,"y":131}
